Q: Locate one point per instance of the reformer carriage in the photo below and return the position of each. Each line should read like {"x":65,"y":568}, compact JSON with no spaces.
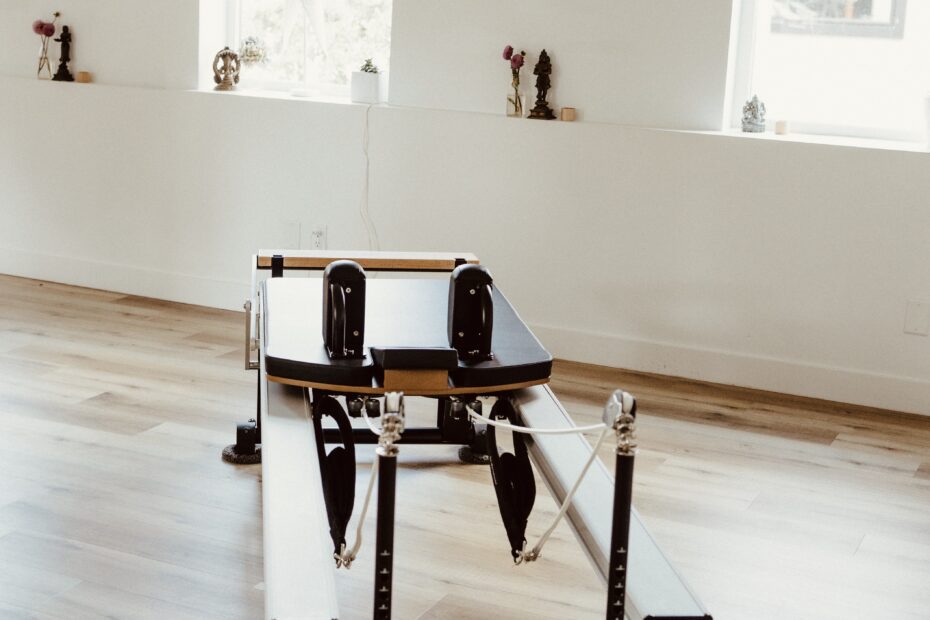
{"x":345,"y":337}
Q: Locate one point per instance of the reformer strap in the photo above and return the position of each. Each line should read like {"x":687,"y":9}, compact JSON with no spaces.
{"x":513,"y":479}
{"x":337,"y":469}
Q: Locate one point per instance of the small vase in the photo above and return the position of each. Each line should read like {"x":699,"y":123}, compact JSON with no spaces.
{"x":44,"y":62}
{"x":515,"y":104}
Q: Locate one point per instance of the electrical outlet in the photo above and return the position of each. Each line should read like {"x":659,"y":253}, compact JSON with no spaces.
{"x":917,"y":318}
{"x":318,"y":238}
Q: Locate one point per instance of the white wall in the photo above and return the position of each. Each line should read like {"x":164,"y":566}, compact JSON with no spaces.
{"x":777,"y":265}
{"x":656,"y":63}
{"x":127,"y":42}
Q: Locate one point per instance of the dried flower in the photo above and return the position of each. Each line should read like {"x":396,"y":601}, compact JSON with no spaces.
{"x":48,"y":29}
{"x":37,"y":26}
{"x":508,"y":52}
{"x":516,"y":61}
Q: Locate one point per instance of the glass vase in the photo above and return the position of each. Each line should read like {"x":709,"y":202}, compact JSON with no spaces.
{"x":43,"y":61}
{"x":515,"y":104}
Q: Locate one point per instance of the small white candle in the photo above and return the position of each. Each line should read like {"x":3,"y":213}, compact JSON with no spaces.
{"x":781,"y":127}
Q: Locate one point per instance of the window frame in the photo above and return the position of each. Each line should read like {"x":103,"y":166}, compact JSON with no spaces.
{"x":742,"y":61}
{"x":839,"y":27}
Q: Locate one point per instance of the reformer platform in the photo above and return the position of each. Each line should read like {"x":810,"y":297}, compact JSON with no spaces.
{"x":412,"y":339}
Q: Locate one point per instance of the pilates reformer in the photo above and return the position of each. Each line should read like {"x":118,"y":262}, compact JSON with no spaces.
{"x":458,"y":340}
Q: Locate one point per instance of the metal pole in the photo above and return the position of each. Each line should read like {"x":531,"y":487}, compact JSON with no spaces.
{"x":384,"y":542}
{"x":623,"y":424}
{"x":392,"y":425}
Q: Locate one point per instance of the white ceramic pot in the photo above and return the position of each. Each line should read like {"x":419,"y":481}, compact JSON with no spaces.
{"x":364,"y":87}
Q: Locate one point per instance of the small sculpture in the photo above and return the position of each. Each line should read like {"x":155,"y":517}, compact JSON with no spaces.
{"x":226,"y":76}
{"x":754,"y":116}
{"x":542,"y":70}
{"x":63,"y":74}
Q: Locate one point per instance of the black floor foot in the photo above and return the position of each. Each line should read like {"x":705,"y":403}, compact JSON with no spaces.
{"x":477,"y":452}
{"x":231,"y":456}
{"x":468,"y":455}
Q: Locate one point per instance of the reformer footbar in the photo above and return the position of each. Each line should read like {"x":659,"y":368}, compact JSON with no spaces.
{"x":458,"y":341}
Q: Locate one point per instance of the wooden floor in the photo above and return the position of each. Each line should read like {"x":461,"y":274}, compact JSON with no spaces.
{"x":114,"y":502}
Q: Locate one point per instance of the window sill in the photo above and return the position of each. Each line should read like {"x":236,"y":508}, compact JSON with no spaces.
{"x":863,"y":143}
{"x":282,"y":96}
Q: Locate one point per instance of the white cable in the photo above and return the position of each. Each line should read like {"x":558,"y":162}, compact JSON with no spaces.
{"x":374,"y":243}
{"x":529,"y":556}
{"x":371,"y":426}
{"x":347,"y":557}
{"x":538,"y":431}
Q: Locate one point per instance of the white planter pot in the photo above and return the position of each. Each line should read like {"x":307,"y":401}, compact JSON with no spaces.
{"x":364,"y":87}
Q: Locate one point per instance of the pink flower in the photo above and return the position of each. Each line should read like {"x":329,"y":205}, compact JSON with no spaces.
{"x":516,"y":61}
{"x":48,"y":29}
{"x":37,"y":26}
{"x":508,"y":51}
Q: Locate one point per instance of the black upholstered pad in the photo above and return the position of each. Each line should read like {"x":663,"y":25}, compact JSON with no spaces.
{"x":399,"y":313}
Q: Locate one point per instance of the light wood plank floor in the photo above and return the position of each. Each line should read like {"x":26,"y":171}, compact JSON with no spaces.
{"x":114,"y":502}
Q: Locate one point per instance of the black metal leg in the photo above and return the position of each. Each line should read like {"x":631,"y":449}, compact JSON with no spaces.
{"x":384,"y":542}
{"x":620,"y":537}
{"x":623,"y":504}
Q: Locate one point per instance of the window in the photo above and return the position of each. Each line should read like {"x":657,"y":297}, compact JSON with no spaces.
{"x":312,"y":44}
{"x":836,"y":67}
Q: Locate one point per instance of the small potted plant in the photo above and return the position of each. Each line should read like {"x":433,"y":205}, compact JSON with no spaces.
{"x":253,"y":52}
{"x":365,"y":83}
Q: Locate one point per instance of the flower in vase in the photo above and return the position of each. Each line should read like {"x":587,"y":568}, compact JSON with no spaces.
{"x":516,"y":63}
{"x":45,"y":30}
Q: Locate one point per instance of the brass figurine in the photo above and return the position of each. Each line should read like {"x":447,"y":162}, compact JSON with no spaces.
{"x":542,"y":70}
{"x":227,"y":75}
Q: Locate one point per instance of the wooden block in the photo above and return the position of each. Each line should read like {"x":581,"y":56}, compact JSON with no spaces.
{"x":415,"y":380}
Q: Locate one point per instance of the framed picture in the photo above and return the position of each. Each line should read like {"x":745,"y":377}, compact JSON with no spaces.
{"x":854,"y":18}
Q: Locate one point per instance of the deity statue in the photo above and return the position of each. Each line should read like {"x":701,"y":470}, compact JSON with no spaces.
{"x":754,"y":116}
{"x":63,"y":74}
{"x":227,"y":75}
{"x":542,"y":70}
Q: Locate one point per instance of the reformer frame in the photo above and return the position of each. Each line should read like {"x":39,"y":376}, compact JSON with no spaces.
{"x":299,"y":568}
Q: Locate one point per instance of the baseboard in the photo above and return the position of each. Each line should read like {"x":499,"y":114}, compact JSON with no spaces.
{"x":171,"y":286}
{"x":794,"y":377}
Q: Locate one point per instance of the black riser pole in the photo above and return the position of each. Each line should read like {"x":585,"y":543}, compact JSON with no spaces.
{"x":384,"y":538}
{"x":620,"y":537}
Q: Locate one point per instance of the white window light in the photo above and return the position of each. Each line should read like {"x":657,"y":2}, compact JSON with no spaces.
{"x":836,"y":67}
{"x":312,"y":45}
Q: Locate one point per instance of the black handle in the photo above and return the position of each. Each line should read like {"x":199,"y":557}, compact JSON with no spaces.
{"x":337,"y":296}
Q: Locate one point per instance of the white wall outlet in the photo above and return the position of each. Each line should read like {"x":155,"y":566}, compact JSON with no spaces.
{"x":917,"y":318}
{"x":318,"y":238}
